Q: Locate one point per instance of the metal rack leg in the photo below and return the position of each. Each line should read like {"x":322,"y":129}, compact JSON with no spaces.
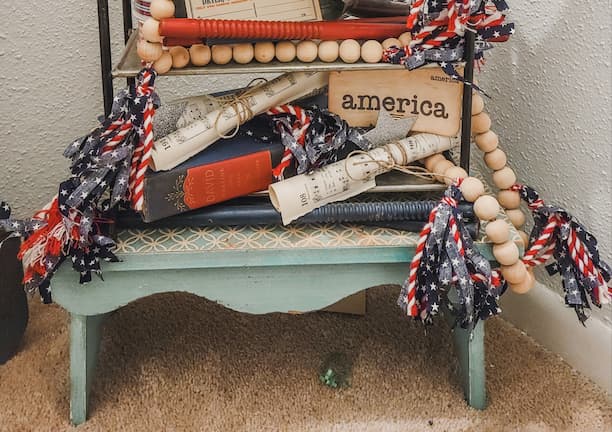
{"x":466,"y":113}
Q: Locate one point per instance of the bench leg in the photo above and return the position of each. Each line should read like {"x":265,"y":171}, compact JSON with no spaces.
{"x":470,"y":351}
{"x":85,"y":332}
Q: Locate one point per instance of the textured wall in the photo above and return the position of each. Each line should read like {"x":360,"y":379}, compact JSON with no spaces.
{"x":551,"y":89}
{"x":550,"y":86}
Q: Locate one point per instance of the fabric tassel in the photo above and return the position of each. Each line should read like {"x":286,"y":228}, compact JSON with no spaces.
{"x":445,"y":257}
{"x":557,"y":234}
{"x":107,"y":168}
{"x":313,"y":137}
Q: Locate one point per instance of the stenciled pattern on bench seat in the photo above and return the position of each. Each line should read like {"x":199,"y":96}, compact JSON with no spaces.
{"x":312,"y":236}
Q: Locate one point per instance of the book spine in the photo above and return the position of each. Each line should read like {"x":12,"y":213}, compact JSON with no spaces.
{"x":179,"y":191}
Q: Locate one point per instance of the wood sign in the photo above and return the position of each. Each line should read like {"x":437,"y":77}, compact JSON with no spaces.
{"x":428,"y":94}
{"x":295,"y":10}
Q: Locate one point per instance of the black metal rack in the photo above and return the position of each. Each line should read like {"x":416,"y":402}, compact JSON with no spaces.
{"x":107,"y":72}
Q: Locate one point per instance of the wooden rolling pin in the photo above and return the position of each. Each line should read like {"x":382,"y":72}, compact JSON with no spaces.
{"x":277,"y":30}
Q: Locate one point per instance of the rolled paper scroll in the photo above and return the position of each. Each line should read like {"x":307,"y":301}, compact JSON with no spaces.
{"x":278,"y":30}
{"x":180,"y":145}
{"x":302,"y":194}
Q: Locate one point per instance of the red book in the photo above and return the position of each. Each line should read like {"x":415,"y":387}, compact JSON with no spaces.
{"x":228,"y":169}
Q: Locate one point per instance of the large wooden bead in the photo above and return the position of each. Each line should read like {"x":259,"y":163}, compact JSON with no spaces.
{"x":440,"y":168}
{"x":481,"y":123}
{"x":506,"y":253}
{"x":496,"y":159}
{"x":243,"y":53}
{"x":371,"y":51}
{"x":509,"y":199}
{"x":487,"y":142}
{"x":526,"y":285}
{"x":516,"y":216}
{"x":453,"y":173}
{"x":161,"y":9}
{"x":477,"y":104}
{"x":486,"y":208}
{"x":180,"y":57}
{"x":307,"y":51}
{"x":524,"y":238}
{"x":328,"y":51}
{"x":515,"y":273}
{"x":200,"y":54}
{"x":163,"y":64}
{"x":432,"y":160}
{"x":471,"y":188}
{"x":498,"y":231}
{"x":285,"y":51}
{"x":350,"y":51}
{"x":405,"y":38}
{"x":504,"y":178}
{"x":391,"y":42}
{"x":221,"y":54}
{"x":150,"y":30}
{"x":264,"y":52}
{"x":149,"y":51}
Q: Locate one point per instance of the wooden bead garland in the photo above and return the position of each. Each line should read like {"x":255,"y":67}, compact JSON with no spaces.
{"x":161,"y":9}
{"x":504,"y":178}
{"x":221,"y":54}
{"x":285,"y":51}
{"x":164,"y":63}
{"x":243,"y":53}
{"x":495,"y":159}
{"x":350,"y":51}
{"x":307,"y":51}
{"x":498,"y":231}
{"x":264,"y":52}
{"x":200,"y":54}
{"x":180,"y":57}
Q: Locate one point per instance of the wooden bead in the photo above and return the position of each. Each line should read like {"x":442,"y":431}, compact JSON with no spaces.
{"x":430,"y":161}
{"x":264,"y":52}
{"x":524,"y":238}
{"x":350,"y":51}
{"x":388,"y":43}
{"x":481,"y":123}
{"x":149,"y":51}
{"x":471,"y":188}
{"x":163,"y":64}
{"x":221,"y":54}
{"x":509,"y":199}
{"x":504,"y":178}
{"x":477,"y":104}
{"x":487,"y":142}
{"x":516,"y":216}
{"x":371,"y":51}
{"x":200,"y":54}
{"x":180,"y":57}
{"x":515,"y":273}
{"x":486,"y":208}
{"x":285,"y":51}
{"x":243,"y":53}
{"x":150,"y":30}
{"x":498,"y":231}
{"x":526,"y":285}
{"x":440,"y":168}
{"x":161,"y":9}
{"x":506,"y":253}
{"x":496,"y":159}
{"x":453,"y":173}
{"x":405,"y":38}
{"x":307,"y":51}
{"x":328,"y":51}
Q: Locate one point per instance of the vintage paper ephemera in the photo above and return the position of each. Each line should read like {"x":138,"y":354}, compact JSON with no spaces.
{"x":274,"y":10}
{"x":427,"y":94}
{"x":296,"y":196}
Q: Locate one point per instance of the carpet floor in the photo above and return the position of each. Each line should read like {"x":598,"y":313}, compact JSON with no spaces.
{"x":175,"y":362}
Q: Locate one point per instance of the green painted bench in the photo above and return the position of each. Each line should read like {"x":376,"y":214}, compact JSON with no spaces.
{"x":250,"y":269}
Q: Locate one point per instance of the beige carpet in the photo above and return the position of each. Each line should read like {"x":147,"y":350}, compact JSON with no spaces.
{"x":176,"y":362}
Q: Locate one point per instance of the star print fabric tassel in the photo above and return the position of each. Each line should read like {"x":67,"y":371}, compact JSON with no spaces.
{"x":107,"y":168}
{"x":445,"y":258}
{"x":557,"y":234}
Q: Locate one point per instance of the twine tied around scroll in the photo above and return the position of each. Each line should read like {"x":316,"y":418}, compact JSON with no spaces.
{"x":239,"y":103}
{"x":390,"y":164}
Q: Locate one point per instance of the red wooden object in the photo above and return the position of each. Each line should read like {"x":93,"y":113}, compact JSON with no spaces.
{"x":277,"y":30}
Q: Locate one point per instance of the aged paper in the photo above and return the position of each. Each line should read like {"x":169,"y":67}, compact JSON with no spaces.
{"x":273,"y":10}
{"x":302,"y":194}
{"x":426,"y":94}
{"x":180,"y":145}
